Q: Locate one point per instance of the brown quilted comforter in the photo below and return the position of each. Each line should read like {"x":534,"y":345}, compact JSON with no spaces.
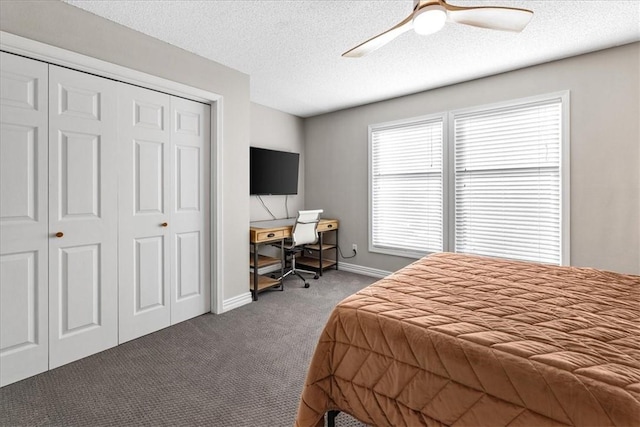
{"x":470,"y":341}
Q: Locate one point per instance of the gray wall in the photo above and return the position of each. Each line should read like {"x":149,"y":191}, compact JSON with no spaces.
{"x":605,"y":152}
{"x":61,"y":25}
{"x":276,"y":130}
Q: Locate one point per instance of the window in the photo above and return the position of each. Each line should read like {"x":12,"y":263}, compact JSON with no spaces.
{"x":406,"y":178}
{"x":502,"y":190}
{"x":508,"y":181}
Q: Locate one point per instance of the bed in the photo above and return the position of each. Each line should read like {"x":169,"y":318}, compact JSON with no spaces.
{"x":462,"y":340}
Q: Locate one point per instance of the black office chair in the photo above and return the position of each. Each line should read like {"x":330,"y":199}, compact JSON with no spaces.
{"x":304,"y":232}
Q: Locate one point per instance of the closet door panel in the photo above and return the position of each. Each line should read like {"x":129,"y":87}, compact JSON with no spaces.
{"x":190,"y":282}
{"x":79,"y":269}
{"x":83,"y":214}
{"x":23,"y":218}
{"x":188,"y":251}
{"x":79,"y":168}
{"x":18,"y":172}
{"x":144,"y":219}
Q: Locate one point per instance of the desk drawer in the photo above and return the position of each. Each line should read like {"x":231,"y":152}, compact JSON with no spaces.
{"x":327,"y":226}
{"x":265,"y":236}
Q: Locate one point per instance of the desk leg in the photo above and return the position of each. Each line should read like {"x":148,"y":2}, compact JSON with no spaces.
{"x":283,"y":263}
{"x":320,"y":260}
{"x":336,"y":248}
{"x":255,"y":272}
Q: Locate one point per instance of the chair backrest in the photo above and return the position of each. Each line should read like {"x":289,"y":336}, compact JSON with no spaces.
{"x":305,"y":230}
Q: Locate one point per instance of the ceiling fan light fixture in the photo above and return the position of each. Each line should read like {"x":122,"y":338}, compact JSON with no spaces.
{"x":430,"y":19}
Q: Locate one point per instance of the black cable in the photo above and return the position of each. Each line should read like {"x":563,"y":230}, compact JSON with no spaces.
{"x":346,"y":257}
{"x":266,"y":208}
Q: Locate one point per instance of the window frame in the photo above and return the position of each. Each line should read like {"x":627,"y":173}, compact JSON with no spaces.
{"x":448,"y":171}
{"x":564,"y":164}
{"x":442,"y":116}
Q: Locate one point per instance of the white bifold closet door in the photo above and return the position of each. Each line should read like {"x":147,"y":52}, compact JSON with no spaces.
{"x":24,"y":348}
{"x":190,"y":281}
{"x":83,"y":213}
{"x":145,"y":199}
{"x":164,"y":211}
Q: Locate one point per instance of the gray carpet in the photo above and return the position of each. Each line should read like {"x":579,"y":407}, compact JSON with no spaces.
{"x":242,"y":368}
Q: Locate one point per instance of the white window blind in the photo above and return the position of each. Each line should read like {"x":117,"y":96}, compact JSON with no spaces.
{"x":406,"y":187}
{"x":508,"y":181}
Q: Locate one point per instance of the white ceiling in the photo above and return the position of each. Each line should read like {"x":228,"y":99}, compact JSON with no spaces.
{"x":291,"y":48}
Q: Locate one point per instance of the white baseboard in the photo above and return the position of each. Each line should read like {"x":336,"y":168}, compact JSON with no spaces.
{"x":237,"y":301}
{"x":365,"y":271}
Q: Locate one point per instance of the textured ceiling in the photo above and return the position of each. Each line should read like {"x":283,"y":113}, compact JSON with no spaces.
{"x":291,"y":49}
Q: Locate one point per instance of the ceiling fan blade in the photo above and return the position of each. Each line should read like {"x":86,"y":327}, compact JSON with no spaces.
{"x":380,"y":40}
{"x":495,"y":18}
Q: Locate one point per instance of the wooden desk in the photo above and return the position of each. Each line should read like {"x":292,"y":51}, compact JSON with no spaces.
{"x":264,"y":232}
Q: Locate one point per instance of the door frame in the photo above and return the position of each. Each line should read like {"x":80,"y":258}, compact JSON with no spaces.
{"x":18,"y":45}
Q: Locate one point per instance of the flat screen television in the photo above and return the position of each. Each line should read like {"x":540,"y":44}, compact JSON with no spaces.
{"x":273,"y":172}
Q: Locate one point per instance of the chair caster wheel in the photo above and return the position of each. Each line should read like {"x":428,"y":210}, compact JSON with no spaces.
{"x":315,"y":277}
{"x":306,"y":285}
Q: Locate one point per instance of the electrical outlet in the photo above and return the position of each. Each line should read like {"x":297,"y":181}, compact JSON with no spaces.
{"x":354,"y":247}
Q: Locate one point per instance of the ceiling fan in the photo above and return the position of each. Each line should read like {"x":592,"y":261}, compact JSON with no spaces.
{"x":429,"y":16}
